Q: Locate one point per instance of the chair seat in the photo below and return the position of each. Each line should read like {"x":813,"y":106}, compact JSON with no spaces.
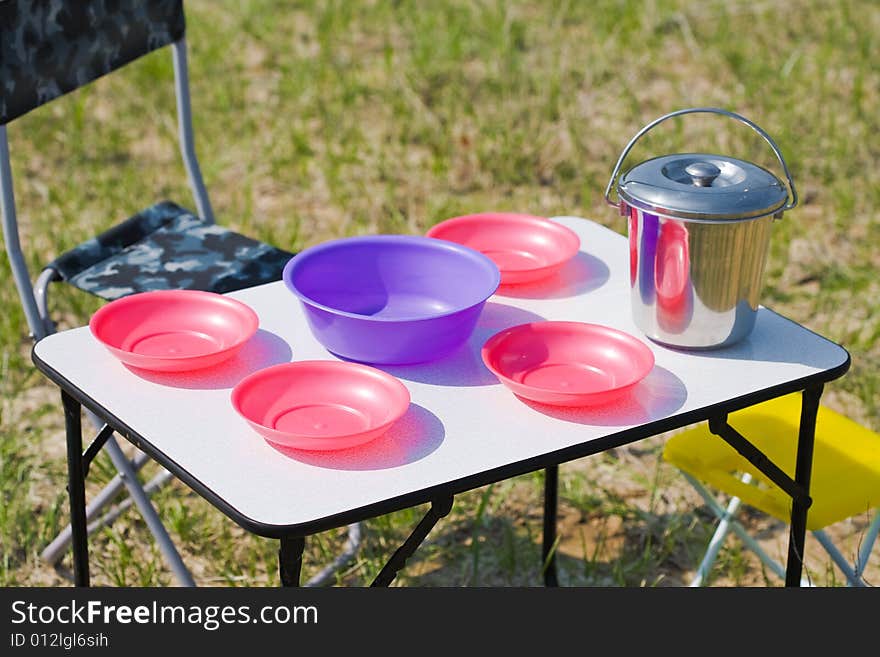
{"x":845,"y":478}
{"x":168,"y":247}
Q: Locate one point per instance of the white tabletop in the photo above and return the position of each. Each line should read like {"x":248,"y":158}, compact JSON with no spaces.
{"x":463,"y":427}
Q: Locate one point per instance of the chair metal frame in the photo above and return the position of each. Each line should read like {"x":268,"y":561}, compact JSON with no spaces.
{"x":727,"y":522}
{"x":34,"y":301}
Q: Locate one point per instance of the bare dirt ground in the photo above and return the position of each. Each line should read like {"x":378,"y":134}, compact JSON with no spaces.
{"x":609,"y":535}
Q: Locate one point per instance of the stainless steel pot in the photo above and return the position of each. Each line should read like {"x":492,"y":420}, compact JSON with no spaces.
{"x":699,"y":230}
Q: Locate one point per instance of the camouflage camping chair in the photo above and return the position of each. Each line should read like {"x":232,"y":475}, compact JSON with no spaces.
{"x":47,"y":49}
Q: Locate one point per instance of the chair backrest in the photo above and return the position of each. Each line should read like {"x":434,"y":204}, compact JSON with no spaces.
{"x":51,"y":47}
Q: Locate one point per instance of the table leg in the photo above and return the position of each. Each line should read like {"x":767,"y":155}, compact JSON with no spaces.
{"x":548,"y":550}
{"x":803,"y":469}
{"x":76,"y":489}
{"x":439,"y":509}
{"x":290,"y":556}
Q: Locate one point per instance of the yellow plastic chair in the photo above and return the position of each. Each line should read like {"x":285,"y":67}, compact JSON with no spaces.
{"x":845,"y":478}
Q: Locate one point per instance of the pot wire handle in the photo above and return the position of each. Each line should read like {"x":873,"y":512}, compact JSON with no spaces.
{"x":711,"y":110}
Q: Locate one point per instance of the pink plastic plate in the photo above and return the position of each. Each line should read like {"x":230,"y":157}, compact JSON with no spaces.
{"x":320,"y":404}
{"x":525,"y":248}
{"x":174,"y":330}
{"x":567,"y":363}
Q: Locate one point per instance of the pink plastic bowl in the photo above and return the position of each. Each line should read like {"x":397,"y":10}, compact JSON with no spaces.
{"x":320,"y":404}
{"x":525,"y":248}
{"x":174,"y":330}
{"x":567,"y":363}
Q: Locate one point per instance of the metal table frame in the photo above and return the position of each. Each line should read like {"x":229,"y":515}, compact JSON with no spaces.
{"x":440,"y":497}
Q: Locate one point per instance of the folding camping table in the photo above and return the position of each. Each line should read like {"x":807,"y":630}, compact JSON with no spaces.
{"x":463,"y":430}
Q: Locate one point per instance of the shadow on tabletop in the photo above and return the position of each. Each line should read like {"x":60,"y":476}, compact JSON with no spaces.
{"x":760,"y":345}
{"x":583,"y":273}
{"x":464,"y":366}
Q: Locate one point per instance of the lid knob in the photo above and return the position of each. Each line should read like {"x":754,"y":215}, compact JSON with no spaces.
{"x":702,"y":173}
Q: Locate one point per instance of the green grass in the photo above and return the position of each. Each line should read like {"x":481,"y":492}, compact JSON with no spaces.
{"x":322,"y":119}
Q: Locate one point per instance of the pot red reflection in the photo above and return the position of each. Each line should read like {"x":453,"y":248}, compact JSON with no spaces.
{"x":672,"y":278}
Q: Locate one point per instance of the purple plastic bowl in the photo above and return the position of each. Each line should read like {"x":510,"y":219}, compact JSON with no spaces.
{"x":391,"y":299}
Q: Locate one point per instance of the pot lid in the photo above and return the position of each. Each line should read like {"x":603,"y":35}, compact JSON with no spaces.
{"x":703,"y":186}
